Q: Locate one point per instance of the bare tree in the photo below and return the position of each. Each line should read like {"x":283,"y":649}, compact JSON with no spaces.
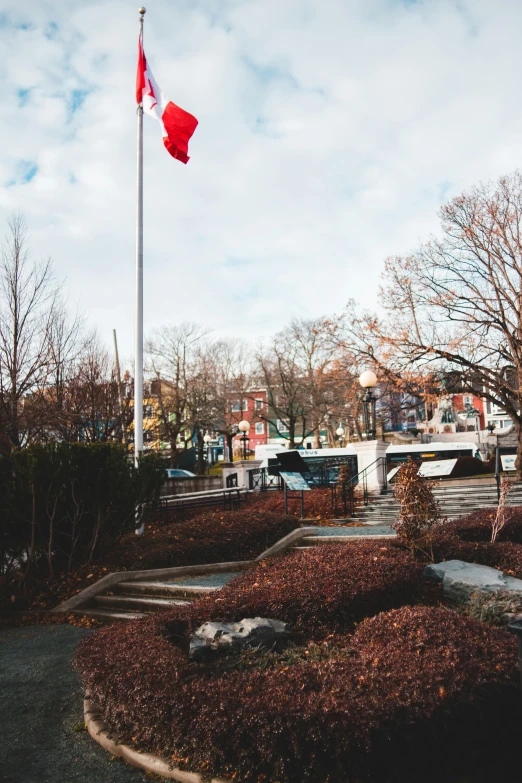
{"x":91,"y":410}
{"x":28,"y":310}
{"x":172,"y":353}
{"x":231,"y":380}
{"x":308,"y":380}
{"x":454,"y":307}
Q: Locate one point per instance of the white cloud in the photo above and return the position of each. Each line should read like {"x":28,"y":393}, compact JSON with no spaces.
{"x":330,"y":132}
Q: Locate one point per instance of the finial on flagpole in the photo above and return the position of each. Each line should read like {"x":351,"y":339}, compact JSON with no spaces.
{"x":142,"y":10}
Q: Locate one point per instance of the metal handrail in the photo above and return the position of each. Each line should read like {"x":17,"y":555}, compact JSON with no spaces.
{"x":361,"y":479}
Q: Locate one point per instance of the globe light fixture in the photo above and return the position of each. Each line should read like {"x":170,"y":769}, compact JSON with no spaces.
{"x":368,"y":381}
{"x":340,"y":434}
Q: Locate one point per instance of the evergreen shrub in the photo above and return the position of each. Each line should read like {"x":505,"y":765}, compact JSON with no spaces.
{"x":64,"y":504}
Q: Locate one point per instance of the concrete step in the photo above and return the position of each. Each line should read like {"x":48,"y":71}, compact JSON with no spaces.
{"x":334,"y":539}
{"x":159,"y":589}
{"x":131,"y":603}
{"x":107,"y":616}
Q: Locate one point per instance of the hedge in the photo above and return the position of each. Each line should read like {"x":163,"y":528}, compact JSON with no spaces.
{"x":213,"y":537}
{"x":65,"y":504}
{"x":477,"y":526}
{"x":416,"y":693}
{"x":469,"y":538}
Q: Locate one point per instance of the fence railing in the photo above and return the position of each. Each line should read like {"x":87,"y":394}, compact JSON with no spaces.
{"x":176,"y":505}
{"x":260,"y":480}
{"x":344,"y":491}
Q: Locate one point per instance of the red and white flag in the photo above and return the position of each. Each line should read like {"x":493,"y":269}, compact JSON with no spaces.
{"x":177,"y":125}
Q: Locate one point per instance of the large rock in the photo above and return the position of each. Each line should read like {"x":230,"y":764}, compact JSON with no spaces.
{"x":460,"y":579}
{"x":250,"y":633}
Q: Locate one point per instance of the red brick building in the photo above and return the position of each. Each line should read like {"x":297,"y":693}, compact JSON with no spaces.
{"x":250,"y":408}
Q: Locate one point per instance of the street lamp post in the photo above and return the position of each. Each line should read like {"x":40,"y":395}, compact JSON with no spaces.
{"x":207,"y":438}
{"x":243,"y":427}
{"x":368,"y":381}
{"x":340,"y":434}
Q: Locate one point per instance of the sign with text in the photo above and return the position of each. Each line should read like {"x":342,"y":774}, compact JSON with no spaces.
{"x":441,"y":467}
{"x":294,"y":481}
{"x":508,"y":461}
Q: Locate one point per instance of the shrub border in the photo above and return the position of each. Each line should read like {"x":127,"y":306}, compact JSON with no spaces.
{"x":149,"y":762}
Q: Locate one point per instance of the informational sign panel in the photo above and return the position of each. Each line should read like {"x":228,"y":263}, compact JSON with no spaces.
{"x":393,"y":472}
{"x":442,"y":467}
{"x":294,"y":481}
{"x":508,"y":461}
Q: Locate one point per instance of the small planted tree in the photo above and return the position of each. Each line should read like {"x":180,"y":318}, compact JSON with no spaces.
{"x":419,"y":511}
{"x":502,"y":515}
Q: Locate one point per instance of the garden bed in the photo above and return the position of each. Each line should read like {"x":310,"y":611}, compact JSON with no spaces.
{"x":469,"y":538}
{"x":370,"y":688}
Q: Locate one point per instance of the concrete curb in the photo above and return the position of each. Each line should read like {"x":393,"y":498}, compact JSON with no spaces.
{"x":284,"y":543}
{"x":146,"y":761}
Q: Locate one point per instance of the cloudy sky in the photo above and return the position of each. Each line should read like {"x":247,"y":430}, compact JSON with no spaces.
{"x":330,"y":133}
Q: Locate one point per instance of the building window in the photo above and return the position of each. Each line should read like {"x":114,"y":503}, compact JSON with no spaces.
{"x":245,"y":405}
{"x":236,"y":406}
{"x":259,"y":405}
{"x":148,"y":411}
{"x":281,"y":426}
{"x":260,"y":428}
{"x":467,"y":400}
{"x":148,"y":436}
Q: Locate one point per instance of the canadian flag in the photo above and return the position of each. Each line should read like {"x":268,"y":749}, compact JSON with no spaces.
{"x":177,"y":125}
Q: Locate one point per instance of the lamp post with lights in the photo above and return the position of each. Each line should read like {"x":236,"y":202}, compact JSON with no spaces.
{"x":368,"y":381}
{"x":340,"y":434}
{"x":244,"y":427}
{"x":206,"y":440}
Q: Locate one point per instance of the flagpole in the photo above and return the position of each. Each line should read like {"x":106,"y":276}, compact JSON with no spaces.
{"x":138,"y":368}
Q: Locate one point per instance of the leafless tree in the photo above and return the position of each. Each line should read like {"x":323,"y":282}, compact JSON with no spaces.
{"x":29,"y":307}
{"x":453,"y":309}
{"x":91,"y":410}
{"x":172,"y":355}
{"x":231,"y":379}
{"x":300,"y":372}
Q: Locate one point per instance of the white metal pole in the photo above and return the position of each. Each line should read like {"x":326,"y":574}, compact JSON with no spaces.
{"x":138,"y":367}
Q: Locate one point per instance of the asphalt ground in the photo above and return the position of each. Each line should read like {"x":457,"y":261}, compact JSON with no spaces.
{"x":42,"y":734}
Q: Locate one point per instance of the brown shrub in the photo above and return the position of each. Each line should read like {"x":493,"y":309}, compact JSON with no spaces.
{"x":319,"y":591}
{"x":505,"y":555}
{"x":211,"y":537}
{"x":422,"y":684}
{"x":477,"y":526}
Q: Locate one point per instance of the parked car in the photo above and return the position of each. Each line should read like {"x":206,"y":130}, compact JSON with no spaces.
{"x":177,"y":473}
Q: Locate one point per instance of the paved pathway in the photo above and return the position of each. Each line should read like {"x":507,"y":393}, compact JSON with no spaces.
{"x":357,"y":532}
{"x":41,"y":713}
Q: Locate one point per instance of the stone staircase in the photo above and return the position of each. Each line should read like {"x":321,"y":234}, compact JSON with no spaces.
{"x":133,"y":600}
{"x":376,"y":519}
{"x":342,"y":535}
{"x":456,"y":500}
